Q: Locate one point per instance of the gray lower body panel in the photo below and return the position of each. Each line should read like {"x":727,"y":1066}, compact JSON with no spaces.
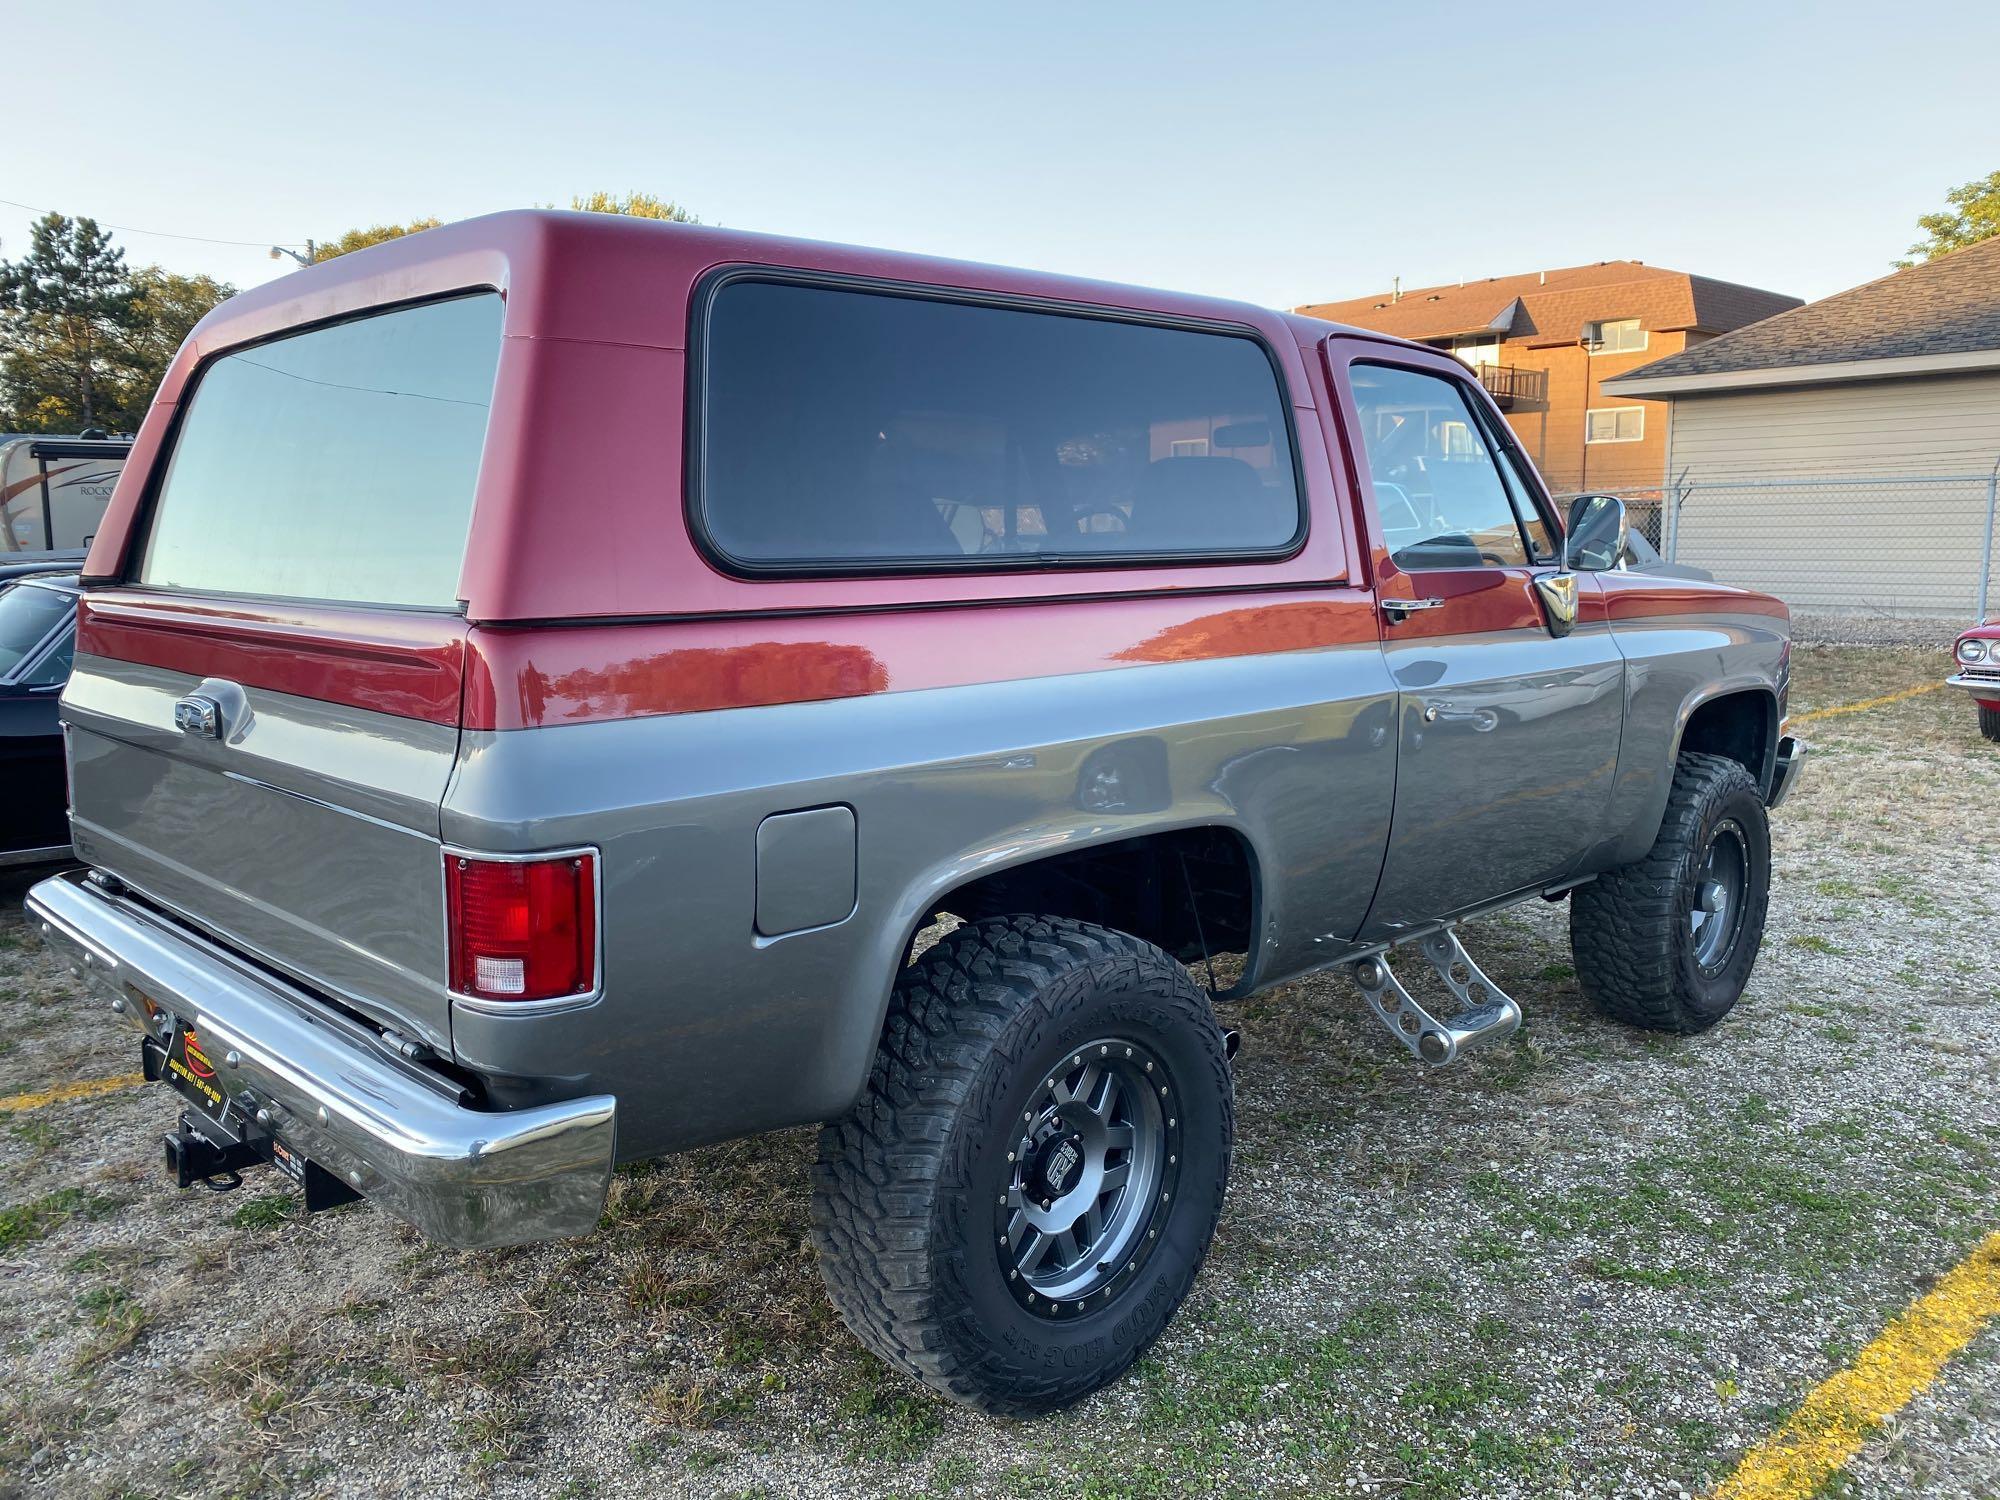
{"x":709,"y":1028}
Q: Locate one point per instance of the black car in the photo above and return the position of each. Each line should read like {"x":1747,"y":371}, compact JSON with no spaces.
{"x":37,"y":645}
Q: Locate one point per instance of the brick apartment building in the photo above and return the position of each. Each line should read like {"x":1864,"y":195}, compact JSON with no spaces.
{"x":1545,"y":343}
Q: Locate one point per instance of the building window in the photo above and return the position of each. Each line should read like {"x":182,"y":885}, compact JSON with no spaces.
{"x":1624,"y":336}
{"x":1188,"y":448}
{"x":1615,"y":424}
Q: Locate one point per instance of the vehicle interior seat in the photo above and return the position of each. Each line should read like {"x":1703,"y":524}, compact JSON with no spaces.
{"x":1205,"y":502}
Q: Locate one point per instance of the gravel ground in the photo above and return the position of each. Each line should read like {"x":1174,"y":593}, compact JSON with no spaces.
{"x":1592,"y":1262}
{"x":1875,"y":630}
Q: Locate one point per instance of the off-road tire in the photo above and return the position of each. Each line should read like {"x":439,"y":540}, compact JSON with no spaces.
{"x":1630,"y":929}
{"x":906,"y":1219}
{"x":1989,"y":722}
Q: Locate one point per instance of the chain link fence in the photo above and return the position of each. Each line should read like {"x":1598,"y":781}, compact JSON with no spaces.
{"x":1915,"y":548}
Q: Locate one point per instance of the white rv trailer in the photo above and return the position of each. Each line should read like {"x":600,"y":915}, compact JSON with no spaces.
{"x":53,"y":490}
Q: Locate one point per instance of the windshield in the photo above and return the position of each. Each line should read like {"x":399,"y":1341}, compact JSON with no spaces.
{"x":27,"y":615}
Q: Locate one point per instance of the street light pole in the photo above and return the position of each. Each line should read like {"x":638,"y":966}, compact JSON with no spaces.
{"x":305,"y":260}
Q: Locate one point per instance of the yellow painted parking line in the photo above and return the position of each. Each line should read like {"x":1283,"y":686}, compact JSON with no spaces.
{"x":88,"y":1088}
{"x":1866,"y":703}
{"x":1836,"y":1419}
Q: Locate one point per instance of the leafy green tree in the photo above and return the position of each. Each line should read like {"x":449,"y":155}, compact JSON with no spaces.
{"x":165,"y":308}
{"x":374,"y":234}
{"x":66,"y":307}
{"x":633,"y":206}
{"x":1974,"y":215}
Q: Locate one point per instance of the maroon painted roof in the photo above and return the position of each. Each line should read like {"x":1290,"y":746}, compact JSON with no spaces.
{"x":579,"y":504}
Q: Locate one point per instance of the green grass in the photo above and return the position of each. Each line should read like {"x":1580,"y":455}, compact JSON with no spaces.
{"x":266,"y":1212}
{"x":117,"y":1319}
{"x":887,"y":1420}
{"x":24,"y":1222}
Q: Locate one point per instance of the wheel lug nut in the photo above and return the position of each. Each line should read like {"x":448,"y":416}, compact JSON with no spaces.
{"x":1149,"y":1067}
{"x":1010,"y":1156}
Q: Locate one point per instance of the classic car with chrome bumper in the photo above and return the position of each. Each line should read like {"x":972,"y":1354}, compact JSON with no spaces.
{"x":293,"y":1071}
{"x":1977,"y":653}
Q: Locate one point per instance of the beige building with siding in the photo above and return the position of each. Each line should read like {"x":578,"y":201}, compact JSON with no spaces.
{"x":1844,"y":454}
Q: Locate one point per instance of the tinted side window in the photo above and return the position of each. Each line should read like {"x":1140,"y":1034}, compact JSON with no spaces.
{"x":336,"y":464}
{"x":843,"y":428}
{"x":1540,"y":543}
{"x":1441,"y":497}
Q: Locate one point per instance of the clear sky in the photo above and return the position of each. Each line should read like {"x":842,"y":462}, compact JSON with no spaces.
{"x":1281,"y":153}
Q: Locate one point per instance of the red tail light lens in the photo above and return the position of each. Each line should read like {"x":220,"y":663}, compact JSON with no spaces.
{"x":522,"y":929}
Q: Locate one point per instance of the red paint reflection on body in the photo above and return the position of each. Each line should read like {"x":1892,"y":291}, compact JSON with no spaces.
{"x":569,"y":674}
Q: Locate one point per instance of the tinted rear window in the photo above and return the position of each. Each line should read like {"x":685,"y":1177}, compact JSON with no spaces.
{"x":337,"y":464}
{"x":843,"y":429}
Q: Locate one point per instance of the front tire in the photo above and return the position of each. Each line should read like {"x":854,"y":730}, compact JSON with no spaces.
{"x":1025,"y":1192}
{"x":1667,"y":942}
{"x":1989,"y":722}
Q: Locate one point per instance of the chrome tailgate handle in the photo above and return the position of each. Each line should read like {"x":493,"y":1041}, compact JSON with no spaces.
{"x":215,"y":710}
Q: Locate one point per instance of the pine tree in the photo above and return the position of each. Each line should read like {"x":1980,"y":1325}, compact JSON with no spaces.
{"x":67,"y":303}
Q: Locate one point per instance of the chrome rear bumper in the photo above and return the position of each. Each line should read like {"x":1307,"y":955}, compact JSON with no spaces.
{"x":1791,"y":756}
{"x":329,"y":1088}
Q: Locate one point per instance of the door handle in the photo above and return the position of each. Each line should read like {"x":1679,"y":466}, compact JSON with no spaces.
{"x":1401,"y":609}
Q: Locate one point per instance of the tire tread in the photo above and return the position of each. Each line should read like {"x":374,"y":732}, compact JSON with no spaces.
{"x":1622,"y":925}
{"x":882,"y":1168}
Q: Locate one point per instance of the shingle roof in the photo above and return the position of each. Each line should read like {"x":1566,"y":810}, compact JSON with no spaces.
{"x":1550,"y":307}
{"x":1950,"y":305}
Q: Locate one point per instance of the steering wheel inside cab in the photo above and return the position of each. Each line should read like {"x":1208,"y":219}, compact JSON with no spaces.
{"x":1419,"y":535}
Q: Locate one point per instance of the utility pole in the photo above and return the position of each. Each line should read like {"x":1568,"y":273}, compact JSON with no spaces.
{"x":1583,"y":467}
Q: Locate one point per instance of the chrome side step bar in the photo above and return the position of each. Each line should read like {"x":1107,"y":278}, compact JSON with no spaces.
{"x":1489,"y":1013}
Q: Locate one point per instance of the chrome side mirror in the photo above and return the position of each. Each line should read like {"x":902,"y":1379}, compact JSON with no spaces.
{"x":1593,"y":541}
{"x":1558,"y":591}
{"x":1595,"y":537}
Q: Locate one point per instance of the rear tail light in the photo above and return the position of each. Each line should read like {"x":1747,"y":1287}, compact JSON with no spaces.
{"x":522,"y":929}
